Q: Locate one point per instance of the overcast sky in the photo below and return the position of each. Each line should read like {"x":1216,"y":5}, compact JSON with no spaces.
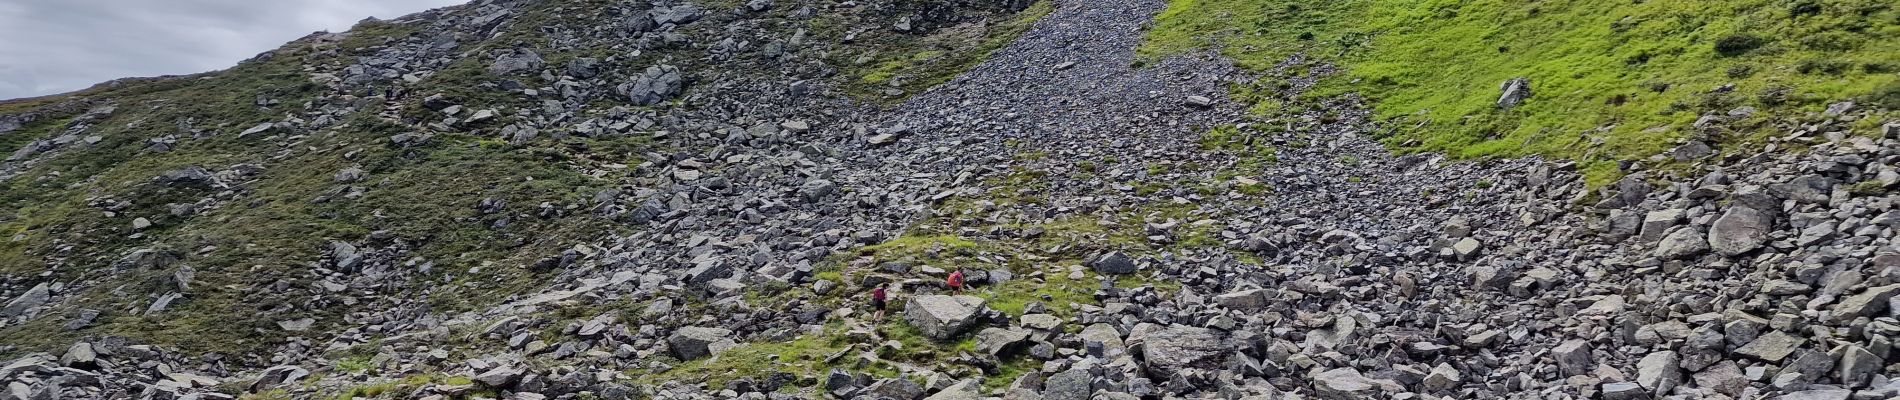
{"x":57,"y":46}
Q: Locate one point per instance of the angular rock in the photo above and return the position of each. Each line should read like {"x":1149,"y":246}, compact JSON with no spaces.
{"x":1113,"y":263}
{"x":1073,"y":384}
{"x":894,"y":388}
{"x":500,"y":376}
{"x":1726,"y":378}
{"x":1467,"y":248}
{"x":278,"y":375}
{"x":1344,"y":384}
{"x":1858,"y":365}
{"x":1573,"y":357}
{"x":1245,"y":300}
{"x":1000,"y":342}
{"x":692,"y":342}
{"x":967,"y":389}
{"x":80,"y":355}
{"x":1659,"y":371}
{"x":1443,"y":377}
{"x":1867,"y":303}
{"x":33,"y":298}
{"x":1657,"y":223}
{"x":1179,"y":347}
{"x":1515,"y":92}
{"x":1818,"y":394}
{"x":943,"y":317}
{"x":1682,"y":243}
{"x":816,"y":190}
{"x":1041,"y":322}
{"x":1772,"y":346}
{"x":1624,"y":391}
{"x":1741,"y":230}
{"x":658,"y":84}
{"x":518,"y":60}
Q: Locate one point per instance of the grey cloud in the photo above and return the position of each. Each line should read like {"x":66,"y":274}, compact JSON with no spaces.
{"x":54,"y":46}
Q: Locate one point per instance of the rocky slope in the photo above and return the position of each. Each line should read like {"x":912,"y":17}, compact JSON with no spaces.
{"x":592,"y":199}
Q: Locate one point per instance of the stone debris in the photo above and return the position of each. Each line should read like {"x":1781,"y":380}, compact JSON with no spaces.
{"x":763,"y":204}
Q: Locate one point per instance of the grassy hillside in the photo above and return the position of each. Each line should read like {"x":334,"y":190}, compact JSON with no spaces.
{"x":1611,"y":80}
{"x":461,"y":215}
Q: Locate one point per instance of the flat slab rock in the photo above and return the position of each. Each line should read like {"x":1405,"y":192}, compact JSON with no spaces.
{"x":943,"y":317}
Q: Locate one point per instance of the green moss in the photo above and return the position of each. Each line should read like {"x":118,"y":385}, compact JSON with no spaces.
{"x":406,"y":387}
{"x":1869,"y":188}
{"x":804,"y":355}
{"x":1611,"y":80}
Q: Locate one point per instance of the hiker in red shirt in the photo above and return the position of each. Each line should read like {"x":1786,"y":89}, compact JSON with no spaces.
{"x":956,"y":281}
{"x":878,"y":297}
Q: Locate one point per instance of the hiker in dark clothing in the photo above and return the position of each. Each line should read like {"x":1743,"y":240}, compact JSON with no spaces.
{"x":878,"y":298}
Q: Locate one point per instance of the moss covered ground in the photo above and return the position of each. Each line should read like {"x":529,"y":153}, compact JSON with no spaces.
{"x":1612,"y":81}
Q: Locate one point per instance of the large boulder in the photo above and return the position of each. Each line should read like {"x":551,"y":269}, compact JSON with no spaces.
{"x":518,"y":60}
{"x":81,"y":355}
{"x":967,"y":389}
{"x":1812,"y":189}
{"x":33,"y":298}
{"x":1515,"y":91}
{"x":816,"y":190}
{"x":943,"y":317}
{"x":278,"y":375}
{"x":1868,"y":303}
{"x":1348,"y":384}
{"x":9,"y":123}
{"x":1178,"y":347}
{"x":1659,"y":371}
{"x":1114,"y":263}
{"x":1110,"y":340}
{"x":1073,"y":384}
{"x":692,"y":343}
{"x":1740,"y":230}
{"x":1000,"y":342}
{"x":894,"y":388}
{"x":500,"y":376}
{"x":678,"y":15}
{"x":1687,"y":242}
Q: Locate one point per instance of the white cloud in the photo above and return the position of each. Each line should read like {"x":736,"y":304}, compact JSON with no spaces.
{"x":55,"y":46}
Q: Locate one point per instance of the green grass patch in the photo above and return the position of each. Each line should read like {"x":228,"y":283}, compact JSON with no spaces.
{"x":1611,"y":80}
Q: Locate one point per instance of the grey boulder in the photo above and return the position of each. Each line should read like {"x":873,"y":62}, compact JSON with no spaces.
{"x":33,"y":298}
{"x":692,"y":343}
{"x":943,"y":317}
{"x":1179,"y":347}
